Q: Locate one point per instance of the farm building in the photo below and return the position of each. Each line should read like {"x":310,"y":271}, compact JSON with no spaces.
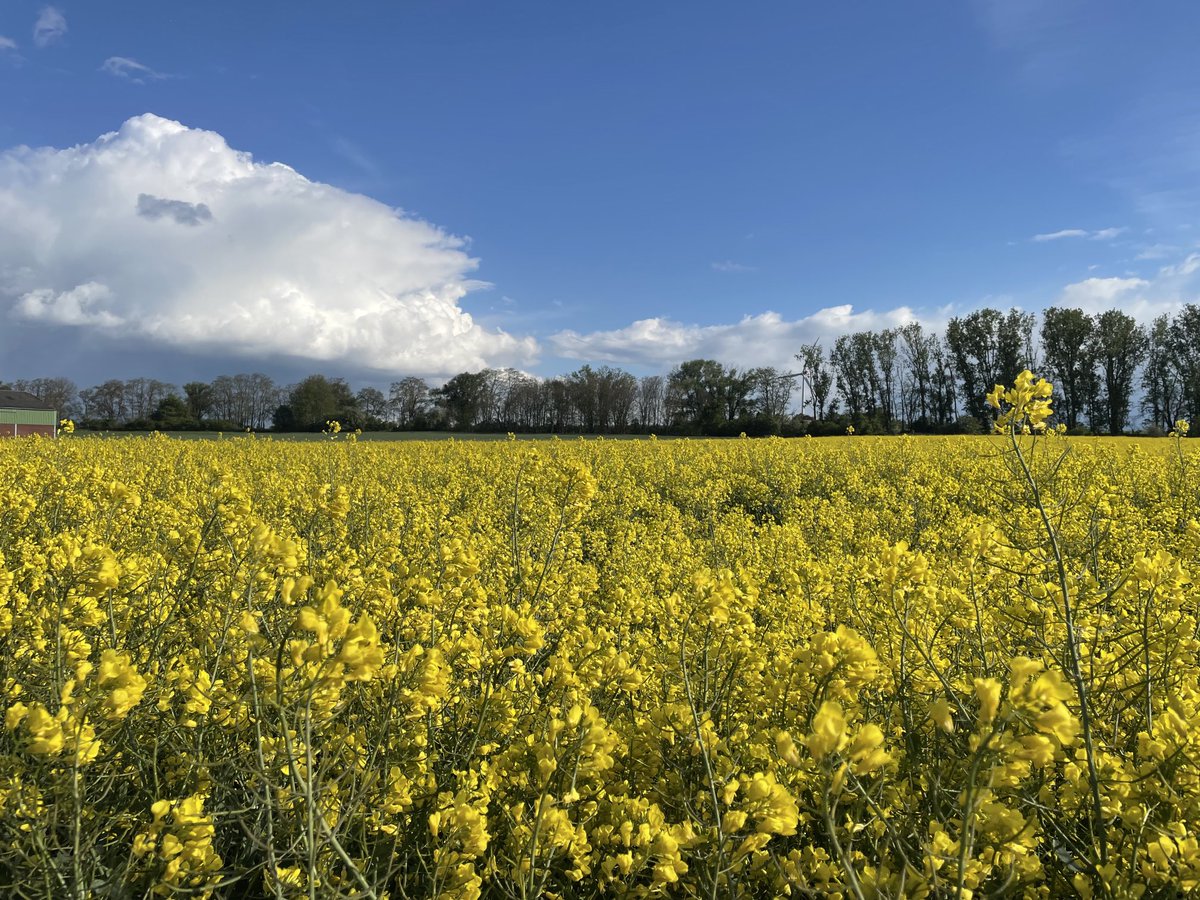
{"x":22,"y":413}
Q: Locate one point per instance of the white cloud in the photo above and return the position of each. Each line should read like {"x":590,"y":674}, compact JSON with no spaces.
{"x":130,"y":70}
{"x":1187,"y":267}
{"x":769,"y":339}
{"x":79,"y":306}
{"x":1142,"y":298}
{"x":1097,"y":294}
{"x":1157,"y":251}
{"x":1103,"y":234}
{"x":729,"y":265}
{"x":1059,"y":235}
{"x":164,"y":234}
{"x":50,"y":26}
{"x":765,"y":339}
{"x":7,"y":43}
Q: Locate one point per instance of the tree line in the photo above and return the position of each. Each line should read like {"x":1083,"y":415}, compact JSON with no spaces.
{"x":1110,"y":373}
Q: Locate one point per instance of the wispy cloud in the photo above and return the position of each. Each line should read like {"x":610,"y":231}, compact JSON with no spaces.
{"x":1059,"y":235}
{"x":354,"y":154}
{"x":1046,"y":39}
{"x":1157,"y":251}
{"x":728,"y":265}
{"x":1188,"y":266}
{"x":50,"y":26}
{"x":1103,"y":234}
{"x":10,"y":53}
{"x":131,"y":70}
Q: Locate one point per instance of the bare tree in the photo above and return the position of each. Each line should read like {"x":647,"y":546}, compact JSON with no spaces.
{"x":772,"y":391}
{"x":106,"y":402}
{"x":525,"y":402}
{"x":817,"y":377}
{"x":409,"y":398}
{"x":651,"y":399}
{"x":61,"y":393}
{"x":142,"y":396}
{"x":623,"y":391}
{"x":918,"y":348}
{"x":264,"y":396}
{"x":372,"y":404}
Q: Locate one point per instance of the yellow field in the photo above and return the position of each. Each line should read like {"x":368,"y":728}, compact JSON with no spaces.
{"x":567,"y":669}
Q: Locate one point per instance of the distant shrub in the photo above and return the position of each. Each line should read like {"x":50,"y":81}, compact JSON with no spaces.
{"x":968,"y":425}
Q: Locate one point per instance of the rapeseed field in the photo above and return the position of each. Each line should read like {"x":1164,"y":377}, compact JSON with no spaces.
{"x":936,"y":667}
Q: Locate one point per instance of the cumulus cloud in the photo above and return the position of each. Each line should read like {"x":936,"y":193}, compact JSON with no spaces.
{"x":50,"y":26}
{"x":82,"y":305}
{"x":1142,"y":298}
{"x":765,"y":339}
{"x":1103,"y":234}
{"x":164,"y":234}
{"x":130,"y":70}
{"x":7,"y":43}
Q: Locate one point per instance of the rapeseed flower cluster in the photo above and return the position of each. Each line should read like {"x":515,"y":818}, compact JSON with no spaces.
{"x":857,"y":667}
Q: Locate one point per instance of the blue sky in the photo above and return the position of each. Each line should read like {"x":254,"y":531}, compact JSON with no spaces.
{"x":727,"y":171}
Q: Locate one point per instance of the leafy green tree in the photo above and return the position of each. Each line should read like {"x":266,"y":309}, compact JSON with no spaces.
{"x":988,"y":347}
{"x":1118,"y":346}
{"x":1067,"y":351}
{"x":886,"y":355}
{"x":1185,"y":354}
{"x":853,"y":359}
{"x":462,"y":398}
{"x":172,"y":413}
{"x":315,"y":401}
{"x":736,"y":389}
{"x":199,"y":399}
{"x":697,"y":388}
{"x":1162,"y":400}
